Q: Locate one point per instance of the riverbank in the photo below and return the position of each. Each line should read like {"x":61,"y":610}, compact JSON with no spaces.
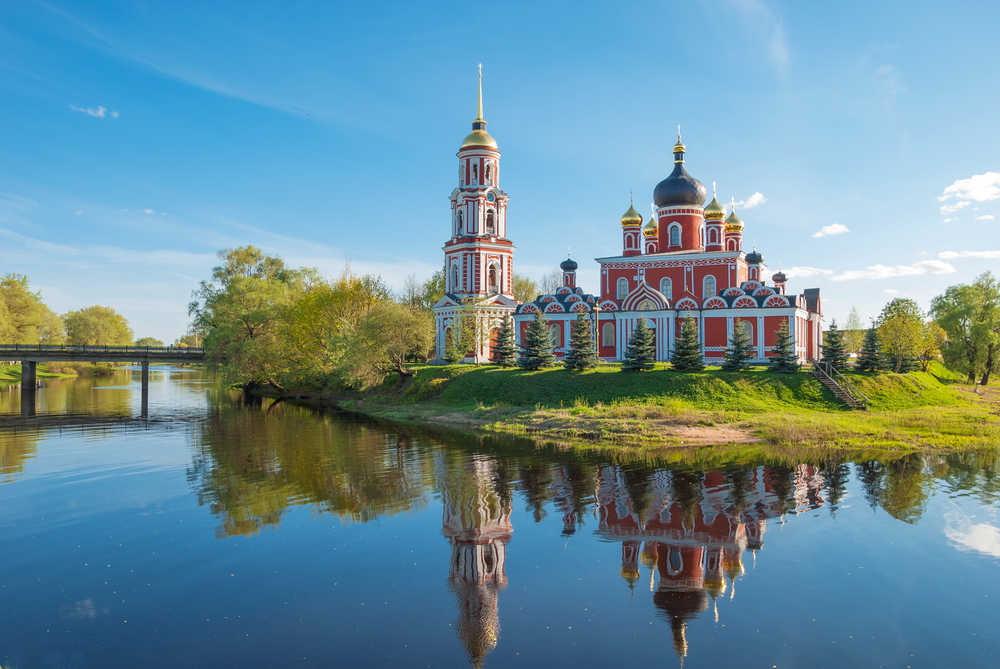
{"x":665,"y":409}
{"x":11,"y":374}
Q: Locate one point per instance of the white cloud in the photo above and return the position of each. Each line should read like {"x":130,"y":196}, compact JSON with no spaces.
{"x":798,"y":272}
{"x":77,"y":212}
{"x":98,"y":113}
{"x":966,"y":535}
{"x":835,"y":229}
{"x":980,"y":187}
{"x":890,"y":291}
{"x":115,"y":114}
{"x":886,"y":272}
{"x":952,"y":208}
{"x":951,"y":255}
{"x":985,"y":217}
{"x":754,"y":200}
{"x":146,"y":211}
{"x":948,"y":220}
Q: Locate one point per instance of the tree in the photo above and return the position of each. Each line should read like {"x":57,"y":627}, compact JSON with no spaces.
{"x":970,"y":314}
{"x":149,"y":341}
{"x":899,"y":330}
{"x":536,"y":351}
{"x":388,"y":335}
{"x":687,"y":351}
{"x":433,"y":289}
{"x":640,"y":352}
{"x":870,"y":359}
{"x":412,"y":294}
{"x":505,"y":349}
{"x":854,"y":332}
{"x":525,"y":290}
{"x":550,"y":282}
{"x":462,"y":335}
{"x":97,"y":326}
{"x":932,"y":339}
{"x":738,"y":352}
{"x":22,"y":314}
{"x":581,"y":354}
{"x":784,"y":360}
{"x":833,"y":348}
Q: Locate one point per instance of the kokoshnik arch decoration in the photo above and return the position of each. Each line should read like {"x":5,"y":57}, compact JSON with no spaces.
{"x":687,"y":261}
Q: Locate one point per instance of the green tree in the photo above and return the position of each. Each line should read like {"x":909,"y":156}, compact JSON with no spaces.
{"x":970,"y":315}
{"x":505,"y":349}
{"x":687,"y":351}
{"x":784,"y":360}
{"x":23,"y":311}
{"x":581,"y":354}
{"x":932,"y":339}
{"x":640,"y":352}
{"x":525,"y":290}
{"x":433,"y":289}
{"x":149,"y":341}
{"x":97,"y":326}
{"x":899,"y":330}
{"x":462,"y":335}
{"x":739,"y":352}
{"x":51,"y":330}
{"x":387,"y":336}
{"x":854,"y":332}
{"x":536,"y":349}
{"x":870,"y":358}
{"x":833,"y":348}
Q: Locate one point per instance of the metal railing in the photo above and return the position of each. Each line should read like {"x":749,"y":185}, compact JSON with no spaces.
{"x":840,"y":380}
{"x":39,"y":348}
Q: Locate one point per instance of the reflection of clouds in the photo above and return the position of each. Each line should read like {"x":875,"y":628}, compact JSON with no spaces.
{"x":79,"y":611}
{"x":966,"y":535}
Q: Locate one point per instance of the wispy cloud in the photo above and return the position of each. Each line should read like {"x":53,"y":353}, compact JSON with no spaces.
{"x":966,"y":535}
{"x":754,"y":200}
{"x":835,"y":229}
{"x":798,"y":272}
{"x":952,"y":208}
{"x":951,"y":255}
{"x":887,"y":271}
{"x":100,"y":112}
{"x":890,"y":291}
{"x":985,"y":217}
{"x":980,"y":187}
{"x":759,"y":18}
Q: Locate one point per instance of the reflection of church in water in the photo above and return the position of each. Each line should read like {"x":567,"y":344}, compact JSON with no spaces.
{"x":689,"y":529}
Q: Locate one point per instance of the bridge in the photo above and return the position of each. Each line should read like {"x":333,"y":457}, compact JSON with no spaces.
{"x":30,"y":355}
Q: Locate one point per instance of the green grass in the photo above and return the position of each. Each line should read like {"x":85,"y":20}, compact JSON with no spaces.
{"x":12,"y":373}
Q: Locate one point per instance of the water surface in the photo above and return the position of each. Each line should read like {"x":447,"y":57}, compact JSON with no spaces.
{"x":220,"y":534}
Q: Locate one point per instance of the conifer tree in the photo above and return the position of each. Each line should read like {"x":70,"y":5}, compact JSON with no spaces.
{"x":640,"y":353}
{"x":870,"y":359}
{"x":784,"y":361}
{"x":738,"y":353}
{"x":536,"y":351}
{"x":581,"y":355}
{"x":833,"y":348}
{"x":687,"y":351}
{"x":505,"y":350}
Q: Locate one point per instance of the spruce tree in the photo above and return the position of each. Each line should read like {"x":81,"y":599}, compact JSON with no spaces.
{"x":581,"y":355}
{"x":871,"y":359}
{"x":784,"y":360}
{"x":456,"y":344}
{"x":687,"y":351}
{"x":536,"y":351}
{"x":833,"y":348}
{"x":640,"y":353}
{"x":505,"y":350}
{"x":739,"y":351}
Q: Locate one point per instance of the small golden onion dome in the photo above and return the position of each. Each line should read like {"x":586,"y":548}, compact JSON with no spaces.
{"x":479,"y":138}
{"x":630,"y":575}
{"x":649,"y":230}
{"x":715,"y":586}
{"x":631,"y":218}
{"x":679,"y":146}
{"x":714,"y":211}
{"x":734,"y":223}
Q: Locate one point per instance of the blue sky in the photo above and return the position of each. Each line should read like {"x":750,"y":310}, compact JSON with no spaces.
{"x":137,"y":139}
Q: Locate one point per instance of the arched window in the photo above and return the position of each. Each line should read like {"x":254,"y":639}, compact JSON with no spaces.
{"x":713,"y":236}
{"x":675,"y":563}
{"x":454,"y":278}
{"x":488,"y":172}
{"x":753,"y":273}
{"x":555,"y":331}
{"x":747,"y":328}
{"x":475,"y":172}
{"x":646,"y":305}
{"x":461,"y":222}
{"x":608,"y":334}
{"x":675,"y":235}
{"x":491,"y":222}
{"x":709,"y":287}
{"x":667,"y":288}
{"x":493,"y":279}
{"x":622,"y":288}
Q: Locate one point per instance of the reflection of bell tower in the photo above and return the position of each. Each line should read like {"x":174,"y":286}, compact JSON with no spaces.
{"x":477,"y":523}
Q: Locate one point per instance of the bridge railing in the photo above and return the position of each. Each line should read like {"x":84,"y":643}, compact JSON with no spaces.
{"x":38,"y":348}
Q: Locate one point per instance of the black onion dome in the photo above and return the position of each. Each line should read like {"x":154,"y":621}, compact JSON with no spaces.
{"x":779,"y":278}
{"x":679,"y":188}
{"x":754,"y":258}
{"x":568,"y":265}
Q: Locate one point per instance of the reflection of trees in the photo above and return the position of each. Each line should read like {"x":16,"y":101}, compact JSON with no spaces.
{"x":16,"y":448}
{"x":905,"y":488}
{"x":836,"y":477}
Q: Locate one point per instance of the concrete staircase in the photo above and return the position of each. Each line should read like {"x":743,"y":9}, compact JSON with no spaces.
{"x":843,"y":389}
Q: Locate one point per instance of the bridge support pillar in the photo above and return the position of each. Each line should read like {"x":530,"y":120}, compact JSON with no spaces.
{"x":145,"y":389}
{"x":29,"y":376}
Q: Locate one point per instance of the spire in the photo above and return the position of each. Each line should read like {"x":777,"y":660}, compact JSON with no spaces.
{"x":479,"y":106}
{"x":679,"y":148}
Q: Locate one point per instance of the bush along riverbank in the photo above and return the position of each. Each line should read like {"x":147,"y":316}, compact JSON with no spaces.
{"x":665,"y":409}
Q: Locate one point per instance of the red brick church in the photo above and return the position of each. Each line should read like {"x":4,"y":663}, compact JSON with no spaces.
{"x":687,"y":261}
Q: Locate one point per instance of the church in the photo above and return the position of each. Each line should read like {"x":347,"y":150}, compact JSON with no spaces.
{"x":687,"y":261}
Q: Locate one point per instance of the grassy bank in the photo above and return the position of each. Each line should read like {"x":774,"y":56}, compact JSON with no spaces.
{"x":666,"y":409}
{"x":10,"y":374}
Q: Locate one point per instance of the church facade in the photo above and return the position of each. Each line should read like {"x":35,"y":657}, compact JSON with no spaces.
{"x":687,"y":261}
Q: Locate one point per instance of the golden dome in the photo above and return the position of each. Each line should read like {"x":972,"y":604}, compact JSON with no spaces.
{"x":631,"y":218}
{"x":734,"y":223}
{"x":714,"y":211}
{"x":715,"y":587}
{"x":631,"y":575}
{"x":479,"y":138}
{"x":649,"y":230}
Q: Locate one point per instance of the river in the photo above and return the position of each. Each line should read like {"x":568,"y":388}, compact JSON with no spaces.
{"x":220,"y":534}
